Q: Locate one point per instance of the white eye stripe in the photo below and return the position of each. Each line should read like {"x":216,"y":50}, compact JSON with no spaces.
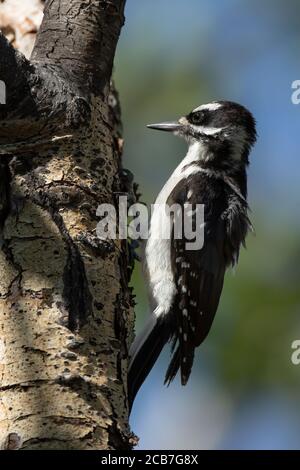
{"x":208,"y":130}
{"x":208,"y":107}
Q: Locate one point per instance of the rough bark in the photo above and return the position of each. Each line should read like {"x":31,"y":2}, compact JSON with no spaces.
{"x":65,"y":307}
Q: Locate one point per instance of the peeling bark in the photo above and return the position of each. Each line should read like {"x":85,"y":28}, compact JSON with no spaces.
{"x":65,"y":307}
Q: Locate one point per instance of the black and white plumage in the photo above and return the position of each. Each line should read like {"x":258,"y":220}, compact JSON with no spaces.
{"x":185,"y":285}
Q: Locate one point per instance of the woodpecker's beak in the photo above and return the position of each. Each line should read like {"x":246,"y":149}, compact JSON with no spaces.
{"x":166,"y":126}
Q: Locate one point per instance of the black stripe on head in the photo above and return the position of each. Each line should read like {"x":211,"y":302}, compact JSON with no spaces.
{"x":224,"y":114}
{"x":199,"y":118}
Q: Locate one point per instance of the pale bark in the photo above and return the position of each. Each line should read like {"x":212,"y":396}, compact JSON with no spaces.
{"x":65,"y":307}
{"x":20,"y":21}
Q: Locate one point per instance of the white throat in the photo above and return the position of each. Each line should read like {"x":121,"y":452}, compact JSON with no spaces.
{"x":198,"y":151}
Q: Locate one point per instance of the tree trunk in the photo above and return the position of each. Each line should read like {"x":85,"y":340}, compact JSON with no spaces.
{"x":65,"y":307}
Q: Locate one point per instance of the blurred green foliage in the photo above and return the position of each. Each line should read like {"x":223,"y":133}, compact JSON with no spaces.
{"x":259,"y":316}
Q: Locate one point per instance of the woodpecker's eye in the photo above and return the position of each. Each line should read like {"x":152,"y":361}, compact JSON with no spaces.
{"x":198,"y":117}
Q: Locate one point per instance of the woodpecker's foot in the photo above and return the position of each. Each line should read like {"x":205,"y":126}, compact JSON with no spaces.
{"x":133,"y":245}
{"x":128,"y":187}
{"x":95,"y":244}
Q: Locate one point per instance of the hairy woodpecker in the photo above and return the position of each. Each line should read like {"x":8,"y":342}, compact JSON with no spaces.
{"x":185,"y":285}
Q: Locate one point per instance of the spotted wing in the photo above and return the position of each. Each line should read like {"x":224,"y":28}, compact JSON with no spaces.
{"x":199,"y":273}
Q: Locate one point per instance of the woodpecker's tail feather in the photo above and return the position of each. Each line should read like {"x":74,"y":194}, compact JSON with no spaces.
{"x":182,"y":362}
{"x":173,"y":367}
{"x":144,"y":352}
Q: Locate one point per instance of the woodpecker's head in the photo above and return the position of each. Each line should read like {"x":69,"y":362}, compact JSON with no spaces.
{"x":222,"y":126}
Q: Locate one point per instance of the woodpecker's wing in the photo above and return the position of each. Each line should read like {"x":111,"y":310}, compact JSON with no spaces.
{"x":199,"y":274}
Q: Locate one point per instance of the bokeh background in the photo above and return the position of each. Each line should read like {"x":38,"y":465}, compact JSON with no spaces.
{"x":244,"y":392}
